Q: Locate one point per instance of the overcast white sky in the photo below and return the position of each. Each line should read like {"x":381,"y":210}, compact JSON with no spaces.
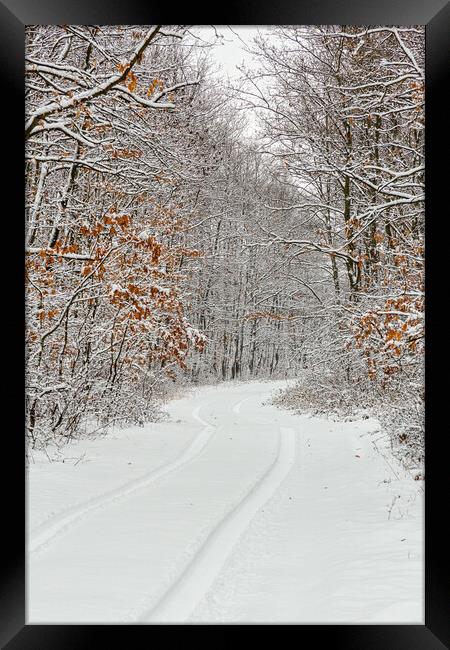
{"x":229,"y":51}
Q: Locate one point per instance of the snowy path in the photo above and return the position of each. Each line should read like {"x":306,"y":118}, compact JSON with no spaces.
{"x":188,"y":590}
{"x":42,"y":536}
{"x":231,"y":511}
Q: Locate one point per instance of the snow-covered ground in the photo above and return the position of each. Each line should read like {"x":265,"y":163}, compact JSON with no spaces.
{"x":231,"y":511}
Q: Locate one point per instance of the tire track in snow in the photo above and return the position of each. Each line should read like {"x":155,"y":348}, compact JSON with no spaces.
{"x":237,"y":407}
{"x":186,"y":592}
{"x":49,"y":531}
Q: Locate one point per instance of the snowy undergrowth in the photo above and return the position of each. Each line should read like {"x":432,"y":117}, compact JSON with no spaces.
{"x":399,"y":412}
{"x":57,"y":448}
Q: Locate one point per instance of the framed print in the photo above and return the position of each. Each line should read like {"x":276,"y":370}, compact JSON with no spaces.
{"x":224,"y":323}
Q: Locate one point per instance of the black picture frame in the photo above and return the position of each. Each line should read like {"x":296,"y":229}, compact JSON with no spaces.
{"x":435,"y":14}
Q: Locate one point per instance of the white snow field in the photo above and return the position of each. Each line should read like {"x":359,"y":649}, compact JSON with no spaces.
{"x":231,"y":511}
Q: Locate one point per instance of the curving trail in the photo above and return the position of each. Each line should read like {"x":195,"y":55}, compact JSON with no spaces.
{"x":183,"y":596}
{"x":246,"y":513}
{"x":41,"y":538}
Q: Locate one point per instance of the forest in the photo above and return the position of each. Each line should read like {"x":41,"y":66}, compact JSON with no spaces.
{"x":182,"y":229}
